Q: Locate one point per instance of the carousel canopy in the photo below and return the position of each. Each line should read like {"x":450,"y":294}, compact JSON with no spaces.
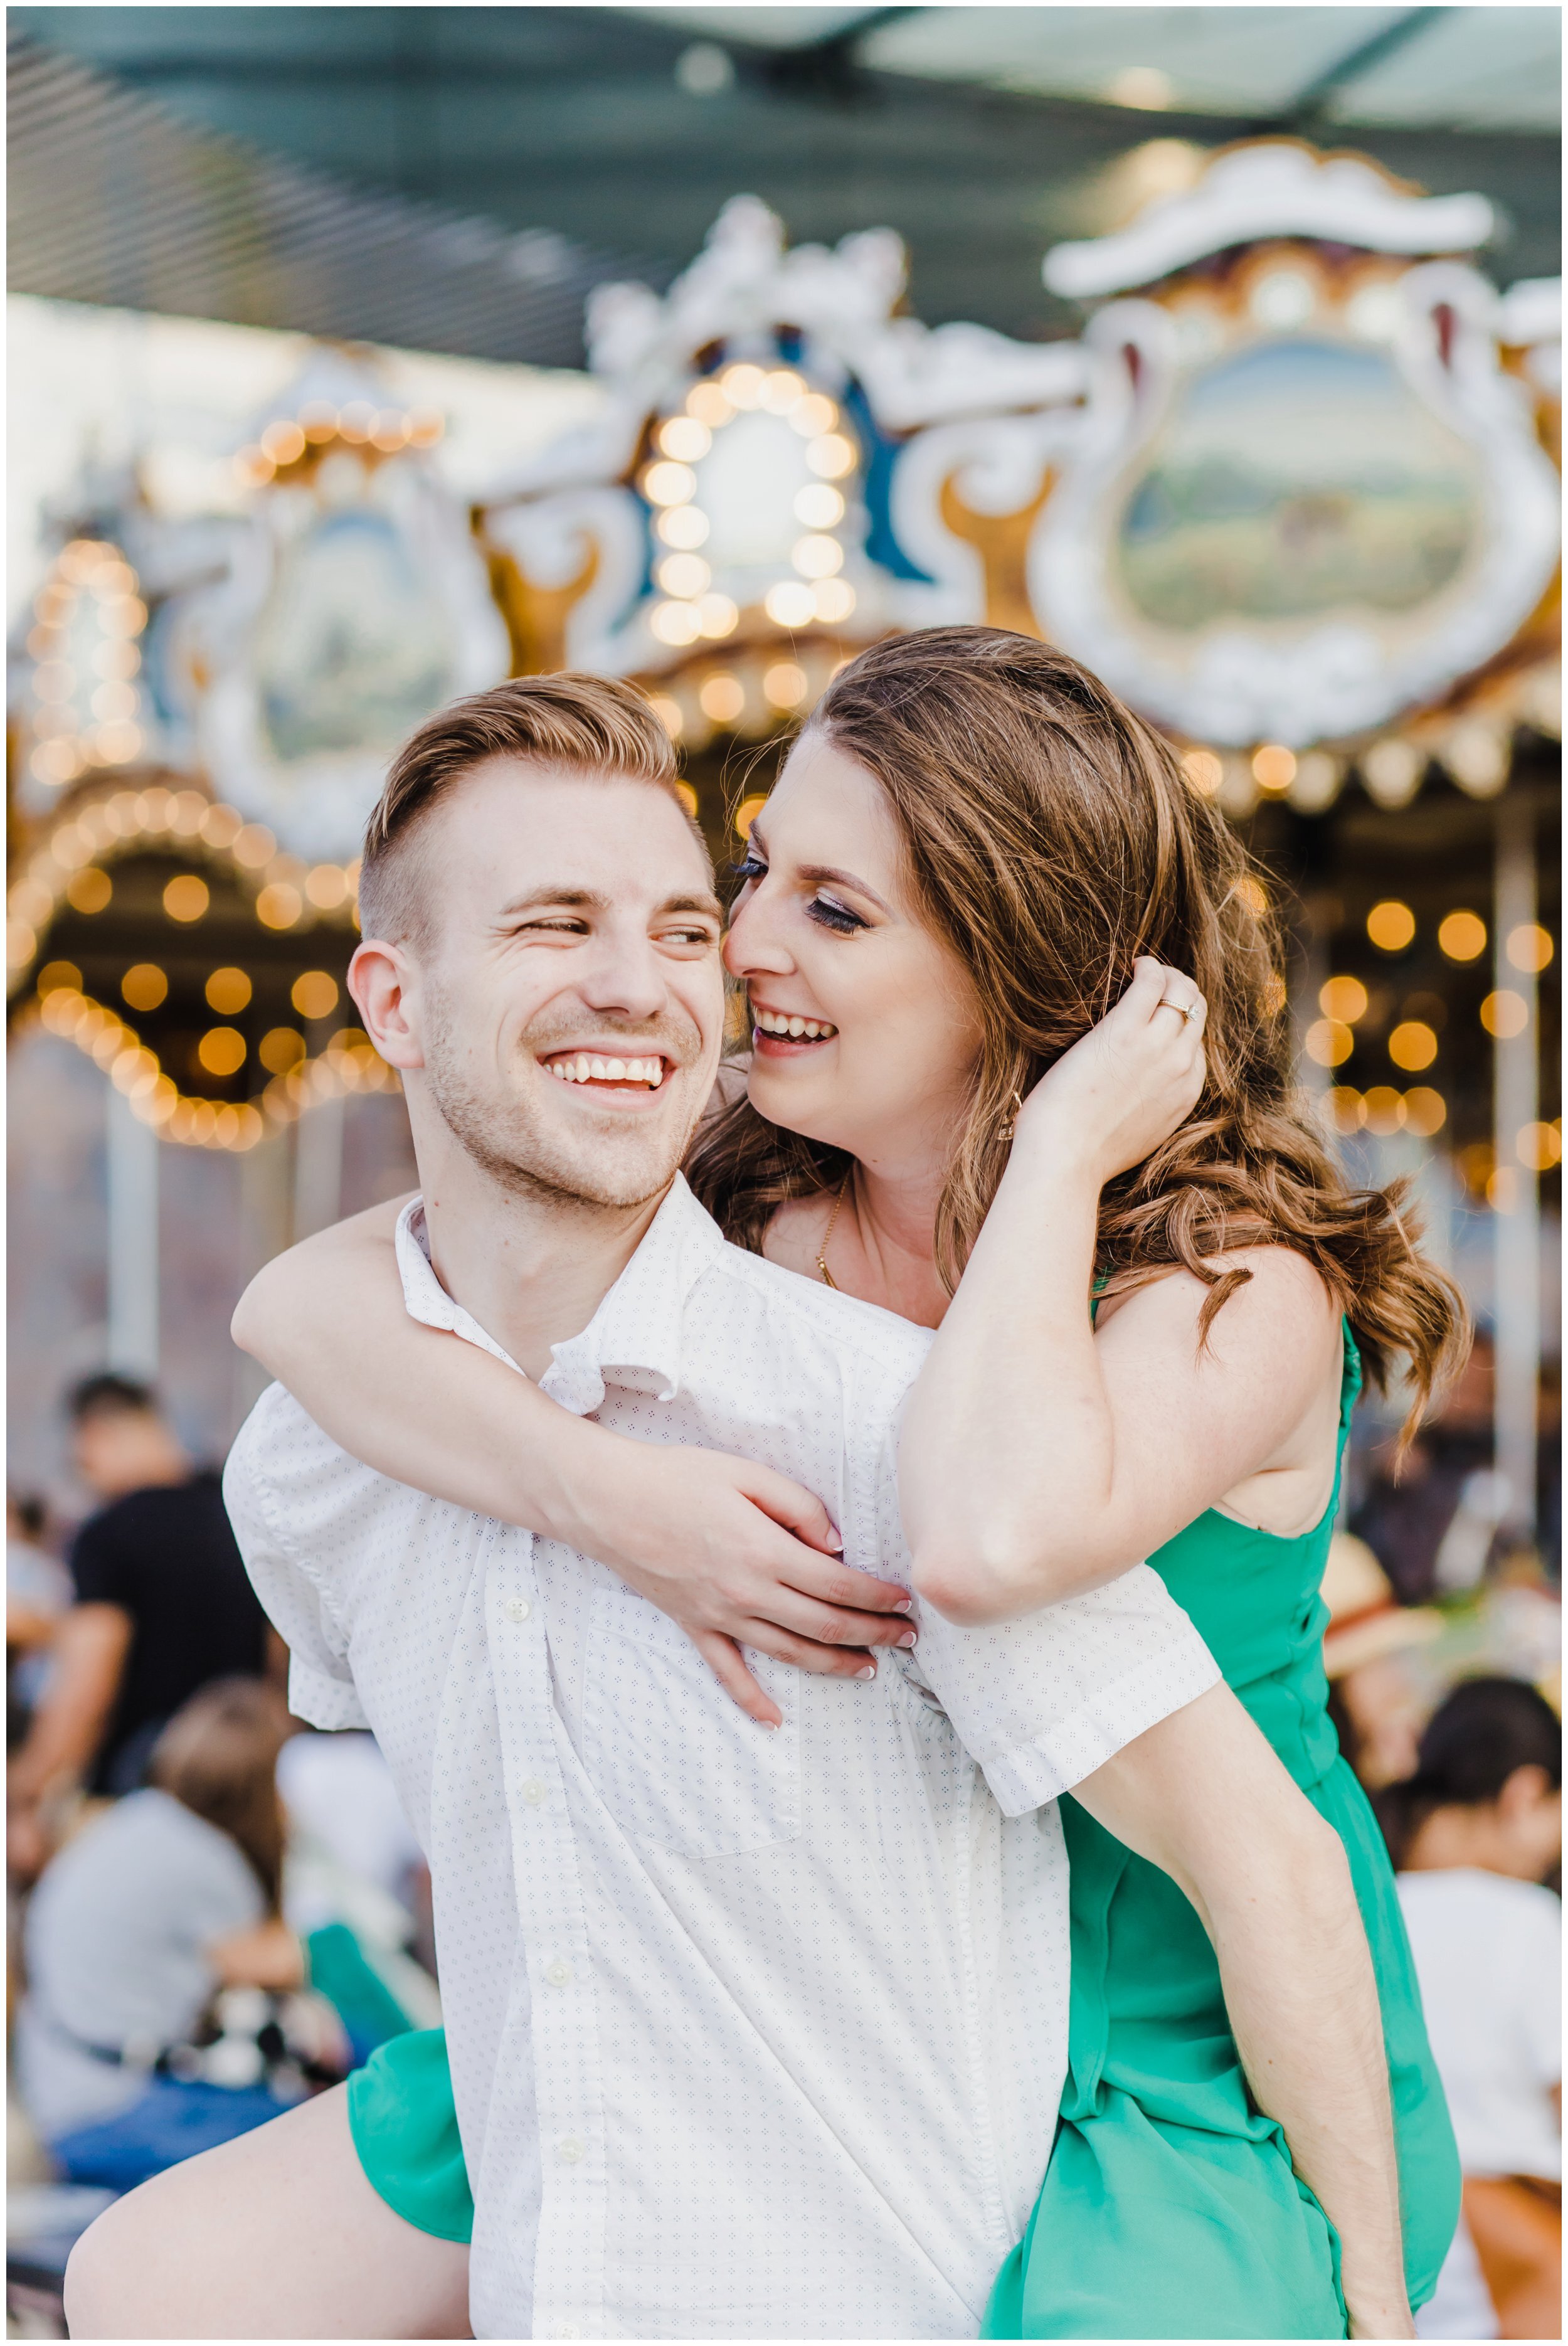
{"x":458,"y":179}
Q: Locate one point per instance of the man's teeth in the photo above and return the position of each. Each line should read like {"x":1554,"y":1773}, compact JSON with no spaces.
{"x":585,"y":1069}
{"x":774,"y":1021}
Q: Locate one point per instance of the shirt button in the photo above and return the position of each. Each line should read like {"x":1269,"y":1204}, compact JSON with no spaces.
{"x":558,"y":1973}
{"x":533,"y":1792}
{"x":569,"y":2152}
{"x":518,"y":1609}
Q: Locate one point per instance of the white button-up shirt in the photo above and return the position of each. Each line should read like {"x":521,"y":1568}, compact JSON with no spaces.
{"x":752,"y":2035}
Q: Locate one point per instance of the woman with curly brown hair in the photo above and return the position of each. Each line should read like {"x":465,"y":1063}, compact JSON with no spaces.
{"x":981,"y":925}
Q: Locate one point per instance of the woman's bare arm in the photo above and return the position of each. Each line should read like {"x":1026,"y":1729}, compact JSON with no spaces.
{"x":1041,"y":1456}
{"x":1203,"y":1796}
{"x":735,"y":1553}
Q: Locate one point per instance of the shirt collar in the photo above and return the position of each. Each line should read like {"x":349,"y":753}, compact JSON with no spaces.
{"x":636,"y":1333}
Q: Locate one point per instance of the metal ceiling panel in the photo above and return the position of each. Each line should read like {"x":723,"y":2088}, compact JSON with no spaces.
{"x":113,"y":203}
{"x":1481,"y":68}
{"x":551,"y":146}
{"x":1230,"y":61}
{"x":782,"y":28}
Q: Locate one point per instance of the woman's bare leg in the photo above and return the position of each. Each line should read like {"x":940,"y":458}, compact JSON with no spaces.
{"x":275,"y":2235}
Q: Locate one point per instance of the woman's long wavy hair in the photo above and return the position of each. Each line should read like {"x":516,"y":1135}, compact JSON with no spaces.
{"x":1050,"y":837}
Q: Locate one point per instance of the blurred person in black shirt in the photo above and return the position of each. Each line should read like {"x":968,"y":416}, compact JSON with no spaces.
{"x":162,"y":1606}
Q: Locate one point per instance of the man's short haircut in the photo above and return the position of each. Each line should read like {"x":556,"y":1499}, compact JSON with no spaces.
{"x":586,"y":724}
{"x":108,"y":1394}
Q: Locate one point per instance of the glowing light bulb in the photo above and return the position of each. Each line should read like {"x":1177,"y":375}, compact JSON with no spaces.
{"x":790,"y":604}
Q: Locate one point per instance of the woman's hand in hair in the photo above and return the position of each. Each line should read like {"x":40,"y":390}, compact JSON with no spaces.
{"x":1127,"y":1085}
{"x":1046,"y":1449}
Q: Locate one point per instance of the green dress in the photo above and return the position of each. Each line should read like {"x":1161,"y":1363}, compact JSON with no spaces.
{"x":1170,"y":2208}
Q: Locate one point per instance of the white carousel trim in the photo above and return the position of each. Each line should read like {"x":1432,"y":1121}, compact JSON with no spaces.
{"x":997,"y":464}
{"x":317,"y":806}
{"x":916,"y":376}
{"x":746,"y":285}
{"x":550,"y":539}
{"x":1530,"y":311}
{"x":1530,"y":318}
{"x":1242,"y":684}
{"x":1277,"y":188}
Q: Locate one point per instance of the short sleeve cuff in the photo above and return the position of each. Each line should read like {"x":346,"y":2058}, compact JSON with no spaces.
{"x":320,"y":1700}
{"x":1028,"y":1775}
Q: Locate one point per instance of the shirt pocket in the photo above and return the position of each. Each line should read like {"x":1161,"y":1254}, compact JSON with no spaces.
{"x":678,"y":1765}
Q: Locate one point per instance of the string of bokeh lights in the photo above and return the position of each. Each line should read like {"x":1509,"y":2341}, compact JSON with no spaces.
{"x":1476,"y":749}
{"x":69,"y":865}
{"x":350,"y":1062}
{"x":1412,"y":1043}
{"x":293,"y":440}
{"x":71,"y":868}
{"x":814,"y":592}
{"x":86,"y":715}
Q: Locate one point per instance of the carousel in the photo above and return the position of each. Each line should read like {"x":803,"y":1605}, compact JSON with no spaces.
{"x":1293,"y":491}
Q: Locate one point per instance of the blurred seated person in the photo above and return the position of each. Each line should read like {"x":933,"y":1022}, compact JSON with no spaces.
{"x":1431,"y":1521}
{"x":162,"y":1606}
{"x":1374,"y":1697}
{"x":38,"y":1594}
{"x":160,"y":1902}
{"x":1475,"y":1829}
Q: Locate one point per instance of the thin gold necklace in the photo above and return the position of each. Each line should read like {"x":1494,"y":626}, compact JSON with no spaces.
{"x":828,"y":1278}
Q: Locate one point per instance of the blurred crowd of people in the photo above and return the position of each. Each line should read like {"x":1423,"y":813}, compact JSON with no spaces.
{"x":215,"y":1912}
{"x":212,"y":1910}
{"x":1444,"y":1662}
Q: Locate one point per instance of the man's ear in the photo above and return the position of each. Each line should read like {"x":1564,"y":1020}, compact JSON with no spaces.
{"x":1523,"y":1792}
{"x":383,"y":981}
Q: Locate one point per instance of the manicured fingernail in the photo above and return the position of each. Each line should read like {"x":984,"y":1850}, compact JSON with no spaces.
{"x":772,"y":1725}
{"x":904,"y":1605}
{"x":869,"y":1672}
{"x":835,"y":1543}
{"x":909,"y":1638}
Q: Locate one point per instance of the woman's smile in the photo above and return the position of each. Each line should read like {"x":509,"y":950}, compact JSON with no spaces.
{"x":787,"y":1034}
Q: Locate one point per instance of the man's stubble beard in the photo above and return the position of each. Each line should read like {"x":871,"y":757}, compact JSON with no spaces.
{"x":500,"y":1135}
